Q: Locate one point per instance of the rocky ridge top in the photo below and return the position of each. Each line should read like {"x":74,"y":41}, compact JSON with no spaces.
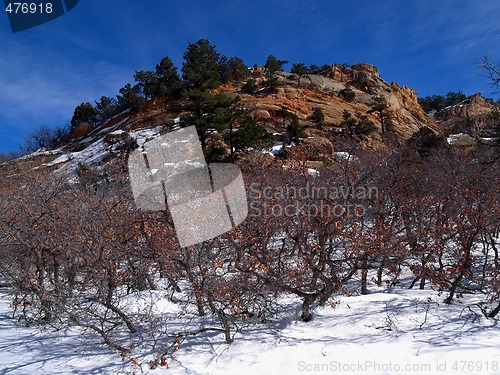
{"x":322,"y":91}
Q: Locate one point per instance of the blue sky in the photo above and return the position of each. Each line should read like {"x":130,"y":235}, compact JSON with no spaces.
{"x":45,"y":72}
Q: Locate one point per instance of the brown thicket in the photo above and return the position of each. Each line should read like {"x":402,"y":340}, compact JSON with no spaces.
{"x":74,"y":250}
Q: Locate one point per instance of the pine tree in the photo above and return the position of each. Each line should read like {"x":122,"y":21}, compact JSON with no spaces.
{"x":200,"y":70}
{"x":105,"y":108}
{"x":85,"y":112}
{"x":379,"y":105}
{"x":348,"y":93}
{"x":349,"y":122}
{"x":129,"y":98}
{"x":233,"y":70}
{"x":294,"y":129}
{"x":318,"y":116}
{"x":147,"y":82}
{"x":273,"y":66}
{"x":243,"y":131}
{"x":301,"y":71}
{"x":168,"y":78}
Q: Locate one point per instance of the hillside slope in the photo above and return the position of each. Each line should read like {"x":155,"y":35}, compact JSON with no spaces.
{"x":124,"y":132}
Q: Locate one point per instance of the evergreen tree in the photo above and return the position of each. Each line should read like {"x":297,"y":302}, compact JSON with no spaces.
{"x":348,"y":93}
{"x":250,"y":86}
{"x":129,"y":98}
{"x":439,"y":102}
{"x":314,"y":69}
{"x":294,"y":129}
{"x":84,"y":112}
{"x":318,"y":116}
{"x":349,"y":122}
{"x":243,"y":131}
{"x":200,"y":70}
{"x":209,"y":112}
{"x":233,"y":70}
{"x":432,"y":103}
{"x":273,"y":66}
{"x":380,"y":106}
{"x":425,"y":141}
{"x":148,"y":83}
{"x":168,"y":78}
{"x":365,"y":126}
{"x":105,"y":109}
{"x":251,"y":134}
{"x":301,"y":71}
{"x":354,"y":127}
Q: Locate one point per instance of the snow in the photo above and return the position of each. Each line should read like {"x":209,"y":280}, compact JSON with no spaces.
{"x":459,"y":137}
{"x":92,"y":155}
{"x":394,"y":331}
{"x":276,"y":150}
{"x":61,"y":159}
{"x":86,"y":140}
{"x":117,"y":125}
{"x":144,"y":135}
{"x":41,"y":152}
{"x":388,"y":331}
{"x":313,"y":172}
{"x":345,"y":155}
{"x":28,"y":350}
{"x":96,"y":152}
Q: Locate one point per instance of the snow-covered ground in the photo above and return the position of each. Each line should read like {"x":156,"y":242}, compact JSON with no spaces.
{"x":396,"y":331}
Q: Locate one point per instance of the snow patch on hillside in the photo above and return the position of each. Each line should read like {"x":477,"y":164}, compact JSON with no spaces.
{"x":91,"y":155}
{"x":98,"y":151}
{"x":144,"y":135}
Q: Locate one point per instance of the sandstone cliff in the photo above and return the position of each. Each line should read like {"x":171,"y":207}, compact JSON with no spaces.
{"x":323,"y":91}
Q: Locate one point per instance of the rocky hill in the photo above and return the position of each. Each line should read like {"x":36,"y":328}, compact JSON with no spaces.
{"x":325,"y":91}
{"x":475,"y":115}
{"x":322,"y":91}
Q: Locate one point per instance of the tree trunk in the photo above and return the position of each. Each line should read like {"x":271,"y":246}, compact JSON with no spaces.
{"x":380,"y":271}
{"x":466,"y":267}
{"x":306,"y":306}
{"x":422,"y":274}
{"x":364,"y":276}
{"x":494,"y":312}
{"x":199,"y":303}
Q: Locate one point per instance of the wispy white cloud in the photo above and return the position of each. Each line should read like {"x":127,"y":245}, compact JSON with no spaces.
{"x":459,"y":26}
{"x":42,"y":84}
{"x":36,"y":82}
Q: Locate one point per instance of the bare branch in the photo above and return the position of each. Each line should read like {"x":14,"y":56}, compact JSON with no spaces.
{"x":491,"y":71}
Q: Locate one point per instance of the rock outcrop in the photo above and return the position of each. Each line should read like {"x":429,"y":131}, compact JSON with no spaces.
{"x":324,"y":91}
{"x":473,"y":106}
